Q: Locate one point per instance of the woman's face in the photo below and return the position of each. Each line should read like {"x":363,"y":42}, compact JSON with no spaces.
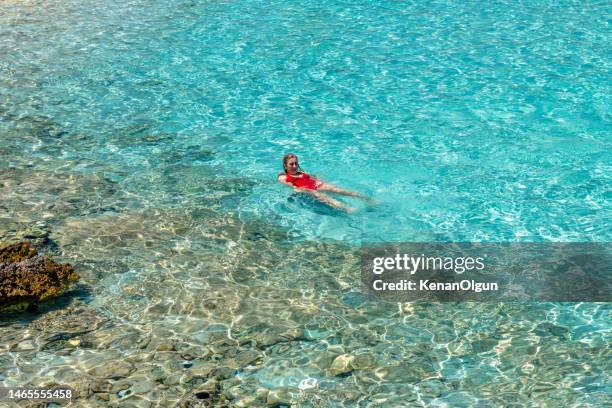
{"x":292,"y":165}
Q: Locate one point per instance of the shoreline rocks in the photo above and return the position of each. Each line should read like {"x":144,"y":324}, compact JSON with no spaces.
{"x":27,"y":278}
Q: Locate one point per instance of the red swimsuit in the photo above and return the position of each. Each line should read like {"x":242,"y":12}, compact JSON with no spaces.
{"x":305,"y":181}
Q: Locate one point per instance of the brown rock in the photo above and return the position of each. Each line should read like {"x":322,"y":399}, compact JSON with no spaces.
{"x":165,"y":347}
{"x":16,"y":253}
{"x":27,"y":278}
{"x":104,"y":396}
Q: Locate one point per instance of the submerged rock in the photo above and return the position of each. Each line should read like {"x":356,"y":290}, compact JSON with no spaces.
{"x":342,"y":364}
{"x":27,"y":277}
{"x":282,"y":397}
{"x":112,"y":370}
{"x":38,"y":235}
{"x":205,"y":395}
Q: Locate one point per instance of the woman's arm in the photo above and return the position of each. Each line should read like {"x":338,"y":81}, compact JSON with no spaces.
{"x":283,"y":180}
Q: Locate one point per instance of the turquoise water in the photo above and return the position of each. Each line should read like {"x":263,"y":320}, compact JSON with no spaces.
{"x":144,"y":137}
{"x":467,"y":122}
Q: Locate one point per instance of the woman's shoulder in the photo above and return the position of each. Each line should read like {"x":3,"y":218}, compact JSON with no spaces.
{"x":281,"y":176}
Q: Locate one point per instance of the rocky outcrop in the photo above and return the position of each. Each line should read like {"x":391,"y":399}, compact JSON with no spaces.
{"x":16,"y":253}
{"x":26,"y":277}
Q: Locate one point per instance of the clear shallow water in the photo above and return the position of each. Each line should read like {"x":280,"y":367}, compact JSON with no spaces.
{"x":145,"y":138}
{"x":464,"y":121}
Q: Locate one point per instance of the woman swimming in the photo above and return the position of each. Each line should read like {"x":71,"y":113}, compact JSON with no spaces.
{"x":303,"y":182}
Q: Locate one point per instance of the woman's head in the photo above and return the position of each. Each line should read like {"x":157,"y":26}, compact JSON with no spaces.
{"x":290,"y":163}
